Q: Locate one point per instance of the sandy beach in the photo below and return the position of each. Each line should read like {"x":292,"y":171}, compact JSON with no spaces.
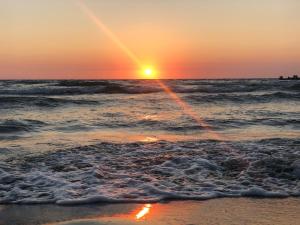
{"x":218,"y":211}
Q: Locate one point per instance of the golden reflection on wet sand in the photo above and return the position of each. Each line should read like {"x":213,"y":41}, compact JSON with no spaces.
{"x":237,"y":211}
{"x":143,"y":212}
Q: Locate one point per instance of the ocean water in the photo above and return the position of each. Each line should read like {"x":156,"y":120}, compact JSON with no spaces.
{"x":73,"y":142}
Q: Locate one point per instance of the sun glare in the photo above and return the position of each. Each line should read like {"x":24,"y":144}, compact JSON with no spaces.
{"x":148,"y":73}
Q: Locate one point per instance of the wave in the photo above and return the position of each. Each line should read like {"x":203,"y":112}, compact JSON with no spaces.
{"x":12,"y":126}
{"x":39,"y":101}
{"x":146,"y":172}
{"x":223,"y":124}
{"x":178,"y":126}
{"x":81,"y":83}
{"x":108,"y":87}
{"x":17,"y":101}
{"x":245,"y":98}
{"x":80,"y":87}
{"x":233,"y":86}
{"x":295,"y":87}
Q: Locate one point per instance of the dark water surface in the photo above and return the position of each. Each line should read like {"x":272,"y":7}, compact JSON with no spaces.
{"x":72,"y":142}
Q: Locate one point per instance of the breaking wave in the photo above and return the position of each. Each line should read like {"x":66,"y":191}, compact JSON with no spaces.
{"x":79,"y":87}
{"x":146,"y":172}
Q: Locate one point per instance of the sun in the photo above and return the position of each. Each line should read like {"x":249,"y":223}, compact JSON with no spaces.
{"x":149,"y":73}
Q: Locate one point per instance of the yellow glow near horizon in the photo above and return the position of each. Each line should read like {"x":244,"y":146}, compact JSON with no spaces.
{"x":149,"y":73}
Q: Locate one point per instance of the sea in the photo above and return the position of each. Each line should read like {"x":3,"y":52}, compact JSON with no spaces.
{"x":72,"y":142}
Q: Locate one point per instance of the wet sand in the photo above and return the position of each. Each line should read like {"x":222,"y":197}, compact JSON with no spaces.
{"x":218,"y":211}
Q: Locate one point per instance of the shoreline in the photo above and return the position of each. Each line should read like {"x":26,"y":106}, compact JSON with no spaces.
{"x":214,"y":211}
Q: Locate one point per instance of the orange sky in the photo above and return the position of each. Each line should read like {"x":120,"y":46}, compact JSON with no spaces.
{"x":50,"y":39}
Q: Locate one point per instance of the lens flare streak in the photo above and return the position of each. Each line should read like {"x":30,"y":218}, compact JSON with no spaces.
{"x":187,"y":109}
{"x":108,"y":32}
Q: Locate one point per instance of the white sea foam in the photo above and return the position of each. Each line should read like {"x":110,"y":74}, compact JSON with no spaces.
{"x":149,"y":172}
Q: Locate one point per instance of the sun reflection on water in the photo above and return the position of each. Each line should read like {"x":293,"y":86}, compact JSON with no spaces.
{"x":149,"y":139}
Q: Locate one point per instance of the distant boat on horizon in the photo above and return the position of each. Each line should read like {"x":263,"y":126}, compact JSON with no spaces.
{"x":294,"y":77}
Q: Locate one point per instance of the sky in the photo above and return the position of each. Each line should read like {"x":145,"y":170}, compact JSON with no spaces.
{"x":57,"y":39}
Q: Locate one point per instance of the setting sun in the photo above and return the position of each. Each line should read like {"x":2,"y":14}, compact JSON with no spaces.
{"x":149,"y":73}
